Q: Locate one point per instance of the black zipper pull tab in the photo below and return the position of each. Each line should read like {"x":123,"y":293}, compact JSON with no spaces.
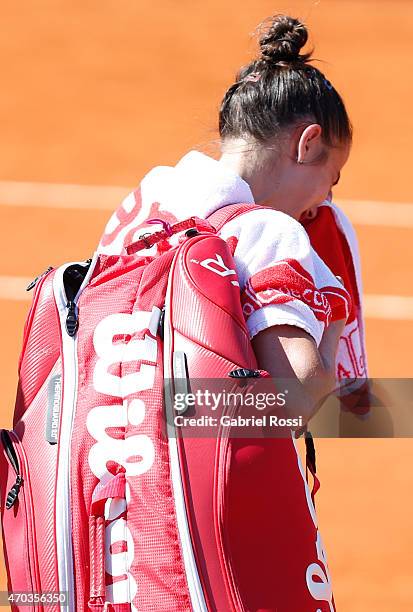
{"x":14,"y":460}
{"x":72,"y":322}
{"x":244,"y":373}
{"x":13,"y":494}
{"x":33,"y":283}
{"x":161,"y":323}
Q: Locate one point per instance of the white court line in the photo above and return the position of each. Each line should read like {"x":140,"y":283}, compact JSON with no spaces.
{"x":65,"y":196}
{"x":14,"y":288}
{"x":392,"y":307}
{"x":388,"y":214}
{"x":98,"y":197}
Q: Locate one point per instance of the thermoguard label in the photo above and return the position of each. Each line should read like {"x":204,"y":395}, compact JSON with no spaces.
{"x":54,"y":402}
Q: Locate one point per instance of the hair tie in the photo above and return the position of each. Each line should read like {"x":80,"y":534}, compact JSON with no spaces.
{"x":252,"y":77}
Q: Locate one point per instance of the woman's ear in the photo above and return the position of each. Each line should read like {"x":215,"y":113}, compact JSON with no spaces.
{"x":310,"y":145}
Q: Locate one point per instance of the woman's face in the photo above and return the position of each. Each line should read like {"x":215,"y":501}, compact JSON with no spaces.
{"x":317,"y":181}
{"x":302,"y":174}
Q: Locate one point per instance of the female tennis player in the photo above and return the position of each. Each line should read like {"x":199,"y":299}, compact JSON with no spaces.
{"x":285,"y":137}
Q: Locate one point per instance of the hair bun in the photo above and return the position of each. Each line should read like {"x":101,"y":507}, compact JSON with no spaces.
{"x":283,"y":40}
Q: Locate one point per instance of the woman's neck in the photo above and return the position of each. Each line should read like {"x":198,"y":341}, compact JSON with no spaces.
{"x":256,"y":167}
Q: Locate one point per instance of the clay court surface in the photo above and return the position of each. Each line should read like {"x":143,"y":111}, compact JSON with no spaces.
{"x":96,"y":93}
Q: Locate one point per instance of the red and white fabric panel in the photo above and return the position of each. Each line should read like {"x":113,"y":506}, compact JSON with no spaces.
{"x":122,"y":506}
{"x":252,"y":492}
{"x":29,"y":538}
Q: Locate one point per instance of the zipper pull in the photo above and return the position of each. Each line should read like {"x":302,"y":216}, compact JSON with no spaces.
{"x":72,"y":322}
{"x":161,"y":323}
{"x":33,"y":283}
{"x":13,"y":494}
{"x":244,"y":373}
{"x":14,"y":460}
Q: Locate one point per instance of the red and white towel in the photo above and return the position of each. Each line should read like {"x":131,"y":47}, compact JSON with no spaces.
{"x":287,"y":274}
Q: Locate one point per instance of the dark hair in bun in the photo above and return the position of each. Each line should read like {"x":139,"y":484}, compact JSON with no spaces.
{"x":284,"y":40}
{"x":280,"y":88}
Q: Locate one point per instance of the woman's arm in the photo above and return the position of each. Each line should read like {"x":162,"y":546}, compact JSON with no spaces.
{"x":289,"y":352}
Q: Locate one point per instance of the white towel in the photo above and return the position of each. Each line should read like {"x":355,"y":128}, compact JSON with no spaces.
{"x":282,"y":278}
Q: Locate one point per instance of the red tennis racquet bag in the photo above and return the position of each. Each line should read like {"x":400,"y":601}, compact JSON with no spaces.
{"x":104,"y":505}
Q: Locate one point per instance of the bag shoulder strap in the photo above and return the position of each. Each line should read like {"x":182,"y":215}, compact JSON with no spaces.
{"x":226,"y":213}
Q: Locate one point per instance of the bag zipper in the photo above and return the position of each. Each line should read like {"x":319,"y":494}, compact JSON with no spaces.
{"x":218,"y":505}
{"x":194,"y":583}
{"x":35,"y":281}
{"x":67,"y":308}
{"x":13,"y":494}
{"x":221,"y":461}
{"x":37,"y":284}
{"x":17,"y":457}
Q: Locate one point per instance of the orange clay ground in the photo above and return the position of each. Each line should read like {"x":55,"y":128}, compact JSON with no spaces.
{"x":98,"y":92}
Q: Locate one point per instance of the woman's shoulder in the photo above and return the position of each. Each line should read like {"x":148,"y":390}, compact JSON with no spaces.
{"x":263,"y":226}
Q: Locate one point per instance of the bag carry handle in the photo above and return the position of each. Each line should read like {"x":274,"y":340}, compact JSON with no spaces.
{"x":146,"y":241}
{"x":216,"y":220}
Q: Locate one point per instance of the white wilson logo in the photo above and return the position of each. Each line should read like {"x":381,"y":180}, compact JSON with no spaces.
{"x":121,"y":451}
{"x":321,"y":588}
